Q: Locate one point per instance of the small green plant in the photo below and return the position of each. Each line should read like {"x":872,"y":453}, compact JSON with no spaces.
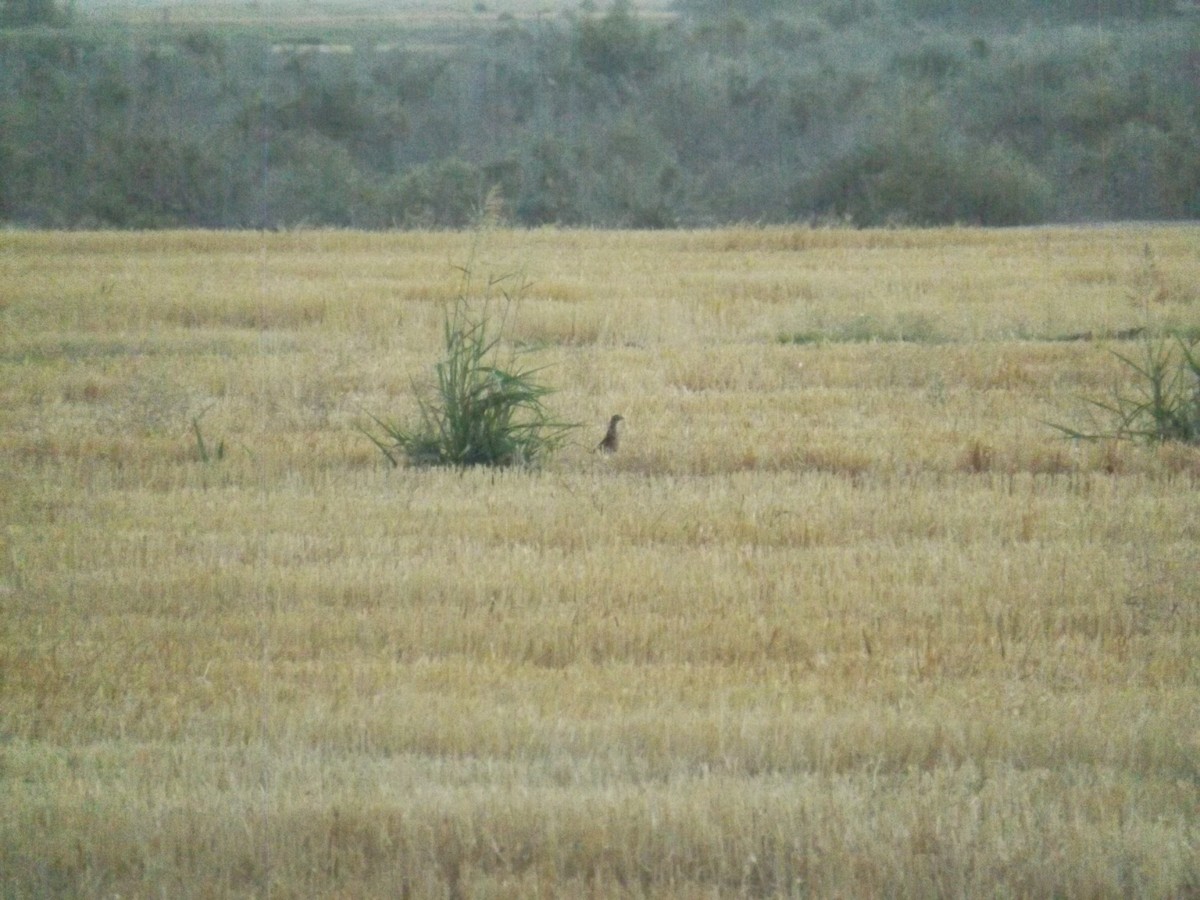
{"x":1164,"y":403}
{"x":205,"y":453}
{"x":916,"y":329}
{"x":486,"y":407}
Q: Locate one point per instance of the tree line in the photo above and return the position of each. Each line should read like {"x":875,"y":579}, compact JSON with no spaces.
{"x":864,"y":111}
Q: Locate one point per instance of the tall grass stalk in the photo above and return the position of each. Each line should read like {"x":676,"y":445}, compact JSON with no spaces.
{"x":203,"y":451}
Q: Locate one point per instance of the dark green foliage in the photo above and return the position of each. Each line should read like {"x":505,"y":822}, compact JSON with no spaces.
{"x":1052,"y":10}
{"x":931,"y":63}
{"x":617,"y":45}
{"x":445,"y":194}
{"x":918,"y":171}
{"x":149,"y":182}
{"x":551,"y":192}
{"x":19,"y":13}
{"x":756,"y":111}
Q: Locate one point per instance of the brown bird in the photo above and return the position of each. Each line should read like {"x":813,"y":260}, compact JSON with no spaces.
{"x":611,"y":437}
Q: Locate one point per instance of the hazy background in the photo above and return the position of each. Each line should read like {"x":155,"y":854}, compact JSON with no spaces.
{"x":251,"y":114}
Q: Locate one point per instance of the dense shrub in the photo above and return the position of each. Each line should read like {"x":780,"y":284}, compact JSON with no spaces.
{"x":919,"y":171}
{"x":445,"y":194}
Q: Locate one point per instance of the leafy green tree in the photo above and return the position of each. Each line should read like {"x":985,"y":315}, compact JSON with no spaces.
{"x":550,"y":190}
{"x":148,"y":182}
{"x":446,"y":194}
{"x":20,"y":13}
{"x":617,"y":45}
{"x":917,"y":171}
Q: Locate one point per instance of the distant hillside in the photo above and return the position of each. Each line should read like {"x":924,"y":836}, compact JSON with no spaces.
{"x":868,"y":111}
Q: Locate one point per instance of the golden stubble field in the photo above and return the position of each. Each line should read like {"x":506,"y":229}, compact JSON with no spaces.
{"x":841,"y":618}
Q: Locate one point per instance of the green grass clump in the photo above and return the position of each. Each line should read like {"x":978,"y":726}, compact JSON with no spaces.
{"x":865,"y":329}
{"x":486,"y":408}
{"x":1164,"y":403}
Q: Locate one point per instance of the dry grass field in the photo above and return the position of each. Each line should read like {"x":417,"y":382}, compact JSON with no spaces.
{"x":842,"y":618}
